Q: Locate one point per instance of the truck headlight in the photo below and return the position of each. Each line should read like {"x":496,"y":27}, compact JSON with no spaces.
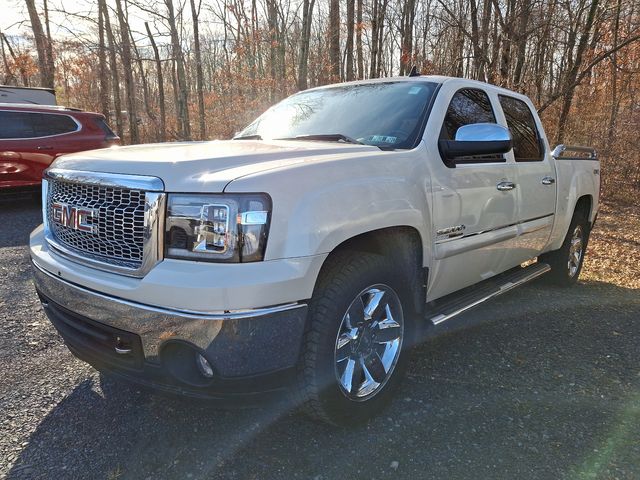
{"x":217,"y":228}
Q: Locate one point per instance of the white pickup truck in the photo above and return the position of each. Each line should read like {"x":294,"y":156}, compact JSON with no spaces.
{"x":309,"y":253}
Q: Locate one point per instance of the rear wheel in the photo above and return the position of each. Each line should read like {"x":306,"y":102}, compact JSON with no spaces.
{"x":566,"y":262}
{"x":355,"y":345}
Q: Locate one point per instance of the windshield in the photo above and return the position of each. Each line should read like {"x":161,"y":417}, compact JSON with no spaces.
{"x":385,"y":114}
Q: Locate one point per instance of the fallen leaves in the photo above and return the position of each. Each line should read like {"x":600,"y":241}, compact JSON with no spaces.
{"x":613,"y":255}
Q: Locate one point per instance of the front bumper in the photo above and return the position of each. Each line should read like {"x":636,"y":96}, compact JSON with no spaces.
{"x":250,"y":351}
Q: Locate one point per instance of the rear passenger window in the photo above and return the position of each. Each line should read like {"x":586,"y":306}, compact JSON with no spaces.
{"x":467,"y":106}
{"x":16,"y":125}
{"x":49,"y":124}
{"x":527,"y":143}
{"x":33,"y":125}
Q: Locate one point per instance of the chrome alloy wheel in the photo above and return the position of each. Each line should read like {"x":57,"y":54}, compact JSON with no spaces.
{"x":576,"y":250}
{"x":369,"y":342}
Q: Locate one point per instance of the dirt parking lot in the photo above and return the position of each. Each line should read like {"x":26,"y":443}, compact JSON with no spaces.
{"x":542,"y":383}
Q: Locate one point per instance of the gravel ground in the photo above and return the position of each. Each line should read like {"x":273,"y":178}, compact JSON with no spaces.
{"x":541,"y":383}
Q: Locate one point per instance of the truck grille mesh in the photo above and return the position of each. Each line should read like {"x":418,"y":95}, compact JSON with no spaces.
{"x":118,"y":236}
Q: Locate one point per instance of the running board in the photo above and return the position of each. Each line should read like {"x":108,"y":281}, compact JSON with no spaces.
{"x":452,"y":305}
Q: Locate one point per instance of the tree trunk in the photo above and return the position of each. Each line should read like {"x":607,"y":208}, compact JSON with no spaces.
{"x":359,"y":40}
{"x":374,"y":39}
{"x":611,"y":127}
{"x":195,"y":13}
{"x":478,"y":55}
{"x":129,"y":85}
{"x":380,"y":49}
{"x":145,"y":88}
{"x":160,"y":80}
{"x":334,"y":40}
{"x":305,"y":38}
{"x":49,"y":42}
{"x":272,"y":20}
{"x":350,"y":26}
{"x":46,"y":72}
{"x":406,"y":34}
{"x":521,"y":43}
{"x":115,"y":77}
{"x":571,"y":78}
{"x":182,"y":94}
{"x":9,"y":77}
{"x":102,"y":67}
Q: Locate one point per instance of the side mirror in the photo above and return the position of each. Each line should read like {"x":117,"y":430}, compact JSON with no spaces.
{"x":477,"y":139}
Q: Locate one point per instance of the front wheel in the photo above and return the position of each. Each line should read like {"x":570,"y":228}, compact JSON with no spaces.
{"x":355,"y":350}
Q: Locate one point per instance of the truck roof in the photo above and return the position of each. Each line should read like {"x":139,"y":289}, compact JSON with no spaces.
{"x":429,"y":78}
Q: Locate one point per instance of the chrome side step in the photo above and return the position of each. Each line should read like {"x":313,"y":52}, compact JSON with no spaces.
{"x":457,"y":303}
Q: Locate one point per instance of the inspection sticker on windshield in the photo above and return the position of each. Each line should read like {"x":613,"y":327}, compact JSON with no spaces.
{"x":414,"y":90}
{"x":383,"y":139}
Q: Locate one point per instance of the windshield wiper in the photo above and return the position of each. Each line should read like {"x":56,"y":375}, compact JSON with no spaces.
{"x":249,"y":137}
{"x":329,"y":137}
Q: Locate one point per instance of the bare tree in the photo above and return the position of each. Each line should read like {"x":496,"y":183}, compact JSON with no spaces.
{"x":359,"y":28}
{"x":44,"y":61}
{"x":9,"y":77}
{"x":406,"y":35}
{"x":195,"y":13}
{"x":351,"y":4}
{"x":575,"y":62}
{"x":160,"y":81}
{"x":305,"y":37}
{"x":181,"y":88}
{"x":127,"y":65}
{"x":102,"y":66}
{"x":334,"y":39}
{"x":113,"y":64}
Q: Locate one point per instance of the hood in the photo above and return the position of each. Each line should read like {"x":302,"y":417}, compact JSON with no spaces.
{"x":205,"y":166}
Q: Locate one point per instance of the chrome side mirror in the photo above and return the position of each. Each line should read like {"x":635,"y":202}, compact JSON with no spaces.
{"x":477,"y":139}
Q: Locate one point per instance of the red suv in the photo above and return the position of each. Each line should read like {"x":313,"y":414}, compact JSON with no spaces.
{"x":32,"y":136}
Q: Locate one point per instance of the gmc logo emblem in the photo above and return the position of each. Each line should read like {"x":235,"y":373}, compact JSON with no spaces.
{"x":72,"y":217}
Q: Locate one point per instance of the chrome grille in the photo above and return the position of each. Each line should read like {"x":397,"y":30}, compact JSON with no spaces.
{"x":118,"y":221}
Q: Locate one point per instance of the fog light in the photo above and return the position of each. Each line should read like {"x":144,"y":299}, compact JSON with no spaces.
{"x":205,"y":368}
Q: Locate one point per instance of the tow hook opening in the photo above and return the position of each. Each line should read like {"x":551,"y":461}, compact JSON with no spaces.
{"x":123,"y":347}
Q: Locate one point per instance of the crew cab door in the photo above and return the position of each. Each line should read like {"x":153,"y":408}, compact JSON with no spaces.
{"x":474,"y":198}
{"x":535,"y":173}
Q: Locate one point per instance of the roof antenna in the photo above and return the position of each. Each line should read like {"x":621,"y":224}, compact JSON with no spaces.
{"x":414,"y":72}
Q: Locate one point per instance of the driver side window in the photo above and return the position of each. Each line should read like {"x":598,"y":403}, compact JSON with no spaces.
{"x":467,"y":106}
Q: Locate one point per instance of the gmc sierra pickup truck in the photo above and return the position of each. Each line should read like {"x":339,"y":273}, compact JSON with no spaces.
{"x":310,"y":252}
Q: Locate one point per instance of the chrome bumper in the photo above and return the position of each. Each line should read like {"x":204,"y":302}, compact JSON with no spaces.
{"x":156,"y":325}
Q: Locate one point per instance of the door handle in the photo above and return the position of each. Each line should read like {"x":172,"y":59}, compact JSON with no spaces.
{"x":44,"y":147}
{"x":548,"y":181}
{"x":505,"y":186}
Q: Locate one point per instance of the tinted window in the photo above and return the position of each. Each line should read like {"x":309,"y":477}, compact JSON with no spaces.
{"x":467,"y":106}
{"x":32,"y":125}
{"x":16,"y":125}
{"x":55,"y":124}
{"x":386,"y":114}
{"x":105,"y":128}
{"x":527,"y":145}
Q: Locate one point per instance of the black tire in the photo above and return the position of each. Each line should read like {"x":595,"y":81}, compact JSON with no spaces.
{"x":562,"y":274}
{"x":344,"y":278}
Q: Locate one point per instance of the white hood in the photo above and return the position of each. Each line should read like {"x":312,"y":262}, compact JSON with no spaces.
{"x":205,"y":166}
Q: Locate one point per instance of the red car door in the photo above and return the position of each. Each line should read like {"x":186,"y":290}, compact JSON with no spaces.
{"x":23,"y":156}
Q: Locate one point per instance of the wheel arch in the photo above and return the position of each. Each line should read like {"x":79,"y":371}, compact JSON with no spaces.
{"x":584,"y":204}
{"x":404,"y":244}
